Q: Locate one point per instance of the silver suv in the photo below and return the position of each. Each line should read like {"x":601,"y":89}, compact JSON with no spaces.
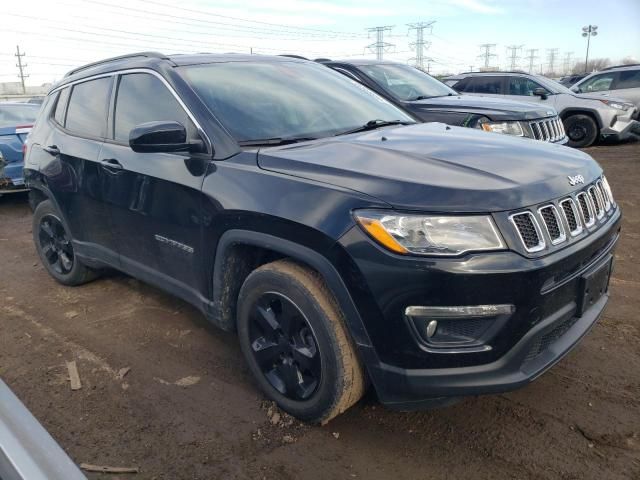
{"x":586,"y":118}
{"x":622,"y":81}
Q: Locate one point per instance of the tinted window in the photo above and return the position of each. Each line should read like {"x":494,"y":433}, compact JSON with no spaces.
{"x":88,"y":107}
{"x":629,"y":79}
{"x":260,"y":100}
{"x":491,"y":85}
{"x":406,"y":83}
{"x":598,"y":83}
{"x":61,"y":105}
{"x":144,"y":98}
{"x":522,"y":86}
{"x":16,"y":115}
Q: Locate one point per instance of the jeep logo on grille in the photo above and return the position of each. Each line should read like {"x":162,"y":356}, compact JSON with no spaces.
{"x":575,"y":180}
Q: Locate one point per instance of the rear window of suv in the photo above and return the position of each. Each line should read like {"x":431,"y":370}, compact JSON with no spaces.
{"x":88,"y":108}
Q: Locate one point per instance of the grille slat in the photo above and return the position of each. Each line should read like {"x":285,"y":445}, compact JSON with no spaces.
{"x":571,"y":216}
{"x":552,"y":223}
{"x":597,"y":202}
{"x":529,"y":231}
{"x":585,"y":208}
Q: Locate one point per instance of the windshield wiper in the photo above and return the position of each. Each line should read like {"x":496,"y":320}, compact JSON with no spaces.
{"x":373,"y":124}
{"x":425,"y":97}
{"x":273,"y":142}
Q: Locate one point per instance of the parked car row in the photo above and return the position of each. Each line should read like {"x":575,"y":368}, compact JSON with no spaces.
{"x":16,"y":120}
{"x":347,"y":243}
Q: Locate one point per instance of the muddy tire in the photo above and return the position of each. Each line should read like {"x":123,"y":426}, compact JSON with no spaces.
{"x":53,"y":244}
{"x":294,"y":339}
{"x":582,"y":130}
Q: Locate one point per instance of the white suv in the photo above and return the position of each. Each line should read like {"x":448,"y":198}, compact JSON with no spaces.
{"x":622,"y":81}
{"x":586,"y":117}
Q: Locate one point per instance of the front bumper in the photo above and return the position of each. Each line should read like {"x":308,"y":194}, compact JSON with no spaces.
{"x":622,"y":127}
{"x":545,"y":326}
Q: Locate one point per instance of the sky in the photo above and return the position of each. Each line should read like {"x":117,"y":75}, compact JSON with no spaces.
{"x":59,"y":35}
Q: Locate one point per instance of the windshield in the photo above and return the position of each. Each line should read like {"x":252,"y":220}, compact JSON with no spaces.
{"x":271,"y":100}
{"x":406,"y":83}
{"x":16,"y":115}
{"x":551,"y":85}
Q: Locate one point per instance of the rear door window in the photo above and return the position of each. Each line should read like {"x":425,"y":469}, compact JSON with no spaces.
{"x":144,"y":98}
{"x":628,"y":79}
{"x":489,"y":85}
{"x":88,"y":108}
{"x":61,"y":105}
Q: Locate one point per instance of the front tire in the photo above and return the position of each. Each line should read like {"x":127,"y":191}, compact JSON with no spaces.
{"x":294,"y":339}
{"x":582,"y":130}
{"x":53,"y":244}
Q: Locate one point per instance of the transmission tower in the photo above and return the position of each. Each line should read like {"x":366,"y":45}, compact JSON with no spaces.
{"x":487,"y":55}
{"x":552,"y":54}
{"x":513,"y":56}
{"x":531,"y":56}
{"x":380,"y":46}
{"x":21,"y":67}
{"x":420,"y":44}
{"x":567,"y":62}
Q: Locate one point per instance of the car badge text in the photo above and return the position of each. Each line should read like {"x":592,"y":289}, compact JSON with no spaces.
{"x":575,"y":180}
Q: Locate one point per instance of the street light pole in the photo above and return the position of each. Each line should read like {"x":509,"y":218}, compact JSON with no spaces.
{"x":588,"y":31}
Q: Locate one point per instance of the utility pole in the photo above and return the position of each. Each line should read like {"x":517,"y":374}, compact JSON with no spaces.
{"x":588,"y":31}
{"x":420,"y":44}
{"x":21,"y":67}
{"x":487,"y":53}
{"x":471,"y":68}
{"x":380,"y":46}
{"x":567,"y":62}
{"x":531,"y":57}
{"x":514,"y":55}
{"x":552,"y":53}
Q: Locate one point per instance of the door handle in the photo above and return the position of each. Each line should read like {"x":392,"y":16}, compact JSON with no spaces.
{"x":112,"y":164}
{"x":52,"y":150}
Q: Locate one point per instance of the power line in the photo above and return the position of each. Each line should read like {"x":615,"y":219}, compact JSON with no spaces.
{"x":567,"y":62}
{"x":21,"y":67}
{"x":552,"y":53}
{"x":513,"y":57}
{"x":420,"y":44}
{"x":487,"y":55}
{"x":531,"y":57}
{"x":380,"y":45}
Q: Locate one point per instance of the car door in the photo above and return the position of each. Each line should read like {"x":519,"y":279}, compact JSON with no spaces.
{"x":601,"y":84}
{"x":154,"y":198}
{"x":521,"y":88}
{"x":69,"y":162}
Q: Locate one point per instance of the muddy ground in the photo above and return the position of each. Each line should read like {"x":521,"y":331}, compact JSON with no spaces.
{"x":188,"y":409}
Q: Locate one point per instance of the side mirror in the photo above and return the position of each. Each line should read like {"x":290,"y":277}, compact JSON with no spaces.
{"x":159,"y":137}
{"x":540,"y":92}
{"x":576,"y":89}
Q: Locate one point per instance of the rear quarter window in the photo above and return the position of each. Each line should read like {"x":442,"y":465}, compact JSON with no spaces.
{"x":88,"y":108}
{"x":61,"y":105}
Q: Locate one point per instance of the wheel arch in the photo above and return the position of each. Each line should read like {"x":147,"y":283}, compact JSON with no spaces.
{"x":239,"y":252}
{"x":567,"y":112}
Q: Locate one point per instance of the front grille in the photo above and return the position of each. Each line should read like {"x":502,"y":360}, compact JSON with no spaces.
{"x":571,"y":216}
{"x":553,"y":224}
{"x":576,"y":214}
{"x":585,"y":208}
{"x":527,"y":227}
{"x":548,"y":129}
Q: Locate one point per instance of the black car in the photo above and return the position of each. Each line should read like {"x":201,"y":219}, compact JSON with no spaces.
{"x":430,"y":100}
{"x":346,"y":244}
{"x":570,"y":80}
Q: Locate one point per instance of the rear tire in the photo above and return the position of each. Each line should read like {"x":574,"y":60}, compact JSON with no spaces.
{"x":53,"y":244}
{"x":582,"y":130}
{"x":294,"y":339}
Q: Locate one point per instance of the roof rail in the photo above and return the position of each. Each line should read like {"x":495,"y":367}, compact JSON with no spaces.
{"x":114,"y":59}
{"x":494,"y":71}
{"x":290,"y":55}
{"x":322,"y":60}
{"x":621,"y":66}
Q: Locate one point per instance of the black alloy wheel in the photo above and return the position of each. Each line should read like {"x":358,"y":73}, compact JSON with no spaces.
{"x":284,"y":346}
{"x":55,"y":244}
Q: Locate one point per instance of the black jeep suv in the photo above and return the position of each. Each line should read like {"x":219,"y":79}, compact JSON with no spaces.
{"x":430,"y":100}
{"x":346,"y":244}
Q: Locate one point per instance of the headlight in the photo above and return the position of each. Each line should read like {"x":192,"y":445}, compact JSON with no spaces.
{"x":430,"y":234}
{"x":510,"y":128}
{"x":618,"y":105}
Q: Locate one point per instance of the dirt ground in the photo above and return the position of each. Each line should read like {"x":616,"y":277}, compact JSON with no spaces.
{"x":188,"y":409}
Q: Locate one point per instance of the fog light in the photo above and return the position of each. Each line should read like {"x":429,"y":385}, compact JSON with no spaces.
{"x":455,"y":327}
{"x":431,"y":328}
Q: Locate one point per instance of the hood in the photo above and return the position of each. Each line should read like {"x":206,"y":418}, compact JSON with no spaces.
{"x":494,"y":108}
{"x":599,"y":95}
{"x":436,"y":167}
